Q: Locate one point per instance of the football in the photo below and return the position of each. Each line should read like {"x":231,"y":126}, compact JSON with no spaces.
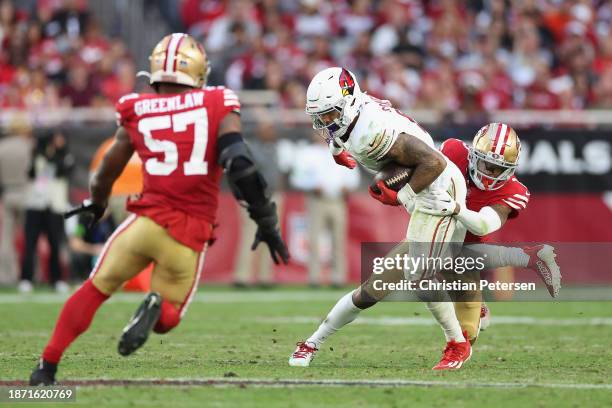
{"x":394,"y":176}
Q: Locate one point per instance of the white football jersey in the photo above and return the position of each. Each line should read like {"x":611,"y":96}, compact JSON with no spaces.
{"x":375,"y":132}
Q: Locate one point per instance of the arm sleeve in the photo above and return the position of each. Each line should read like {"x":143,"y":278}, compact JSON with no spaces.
{"x":479,"y":223}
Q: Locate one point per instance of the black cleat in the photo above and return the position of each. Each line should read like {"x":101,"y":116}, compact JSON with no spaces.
{"x":136,"y":333}
{"x":43,"y":374}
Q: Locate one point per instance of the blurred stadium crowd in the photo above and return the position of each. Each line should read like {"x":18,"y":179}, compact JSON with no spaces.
{"x":55,"y":55}
{"x":480,"y":55}
{"x":446,"y":56}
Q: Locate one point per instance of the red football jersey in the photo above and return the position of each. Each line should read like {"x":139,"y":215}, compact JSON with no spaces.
{"x":512,"y":194}
{"x":175,"y":136}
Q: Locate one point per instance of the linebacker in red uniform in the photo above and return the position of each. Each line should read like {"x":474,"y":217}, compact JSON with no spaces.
{"x":494,"y":196}
{"x":186,"y":136}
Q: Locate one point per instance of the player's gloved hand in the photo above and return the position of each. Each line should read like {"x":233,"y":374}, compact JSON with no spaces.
{"x":95,"y":211}
{"x":437,"y":203}
{"x":384,"y":194}
{"x":345,"y":159}
{"x":268,"y":232}
{"x":341,"y":156}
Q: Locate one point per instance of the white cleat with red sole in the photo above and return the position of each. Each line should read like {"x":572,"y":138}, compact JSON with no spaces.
{"x":485,"y":317}
{"x":542,"y":262}
{"x":303,"y":354}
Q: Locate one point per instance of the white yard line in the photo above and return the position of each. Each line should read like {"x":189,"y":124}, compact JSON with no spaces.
{"x":285,"y":383}
{"x":427,"y":321}
{"x":305,"y":296}
{"x":200,"y":297}
{"x":260,"y":296}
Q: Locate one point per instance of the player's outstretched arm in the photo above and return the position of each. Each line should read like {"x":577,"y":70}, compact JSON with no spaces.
{"x":113,"y":163}
{"x":101,"y":183}
{"x":249,"y":186}
{"x":489,"y":219}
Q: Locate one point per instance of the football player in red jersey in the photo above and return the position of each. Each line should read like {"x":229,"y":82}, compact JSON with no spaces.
{"x":494,"y":196}
{"x":186,"y":136}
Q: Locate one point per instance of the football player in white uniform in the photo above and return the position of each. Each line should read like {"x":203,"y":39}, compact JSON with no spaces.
{"x":375,"y":134}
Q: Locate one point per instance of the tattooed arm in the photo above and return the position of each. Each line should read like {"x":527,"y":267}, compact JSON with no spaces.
{"x":427,"y":162}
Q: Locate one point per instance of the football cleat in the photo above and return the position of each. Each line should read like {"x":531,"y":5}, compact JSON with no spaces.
{"x":485,"y":317}
{"x":43,"y":374}
{"x":303,"y":355}
{"x":542,"y":262}
{"x":136,"y":333}
{"x":455,"y":355}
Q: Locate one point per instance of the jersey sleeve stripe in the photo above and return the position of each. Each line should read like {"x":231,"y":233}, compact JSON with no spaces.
{"x":515,"y":201}
{"x":518,"y":200}
{"x":126,"y":97}
{"x":516,"y":207}
{"x":522,"y":197}
{"x":386,"y":145}
{"x":377,"y":141}
{"x":519,"y":203}
{"x":230,"y":96}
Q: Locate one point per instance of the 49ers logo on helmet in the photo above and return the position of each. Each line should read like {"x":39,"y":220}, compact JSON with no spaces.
{"x":347,"y":83}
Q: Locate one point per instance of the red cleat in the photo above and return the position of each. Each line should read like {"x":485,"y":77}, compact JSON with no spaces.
{"x":455,"y":354}
{"x":542,"y":262}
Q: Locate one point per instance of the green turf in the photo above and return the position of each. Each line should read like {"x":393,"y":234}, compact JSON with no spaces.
{"x":234,"y":335}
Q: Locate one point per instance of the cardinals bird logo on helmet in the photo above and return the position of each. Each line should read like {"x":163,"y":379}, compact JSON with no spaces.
{"x":347,"y":83}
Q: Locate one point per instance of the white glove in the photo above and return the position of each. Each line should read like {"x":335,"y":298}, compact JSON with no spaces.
{"x":436,"y":203}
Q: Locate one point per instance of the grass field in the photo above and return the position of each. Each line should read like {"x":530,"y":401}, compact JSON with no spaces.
{"x":232,"y":348}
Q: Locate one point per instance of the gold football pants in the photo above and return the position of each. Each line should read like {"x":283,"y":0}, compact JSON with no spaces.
{"x":136,"y":243}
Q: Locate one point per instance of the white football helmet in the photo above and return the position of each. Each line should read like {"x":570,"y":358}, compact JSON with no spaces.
{"x":333,"y":89}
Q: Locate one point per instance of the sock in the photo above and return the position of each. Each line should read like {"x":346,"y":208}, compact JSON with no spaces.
{"x":468,"y":314}
{"x":444,"y":313}
{"x":496,"y":256}
{"x":169,"y":318}
{"x":74,"y":319}
{"x":341,"y":314}
{"x":439,"y":303}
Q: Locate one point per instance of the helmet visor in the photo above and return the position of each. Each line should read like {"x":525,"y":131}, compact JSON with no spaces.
{"x":329,"y":119}
{"x":491,"y":173}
